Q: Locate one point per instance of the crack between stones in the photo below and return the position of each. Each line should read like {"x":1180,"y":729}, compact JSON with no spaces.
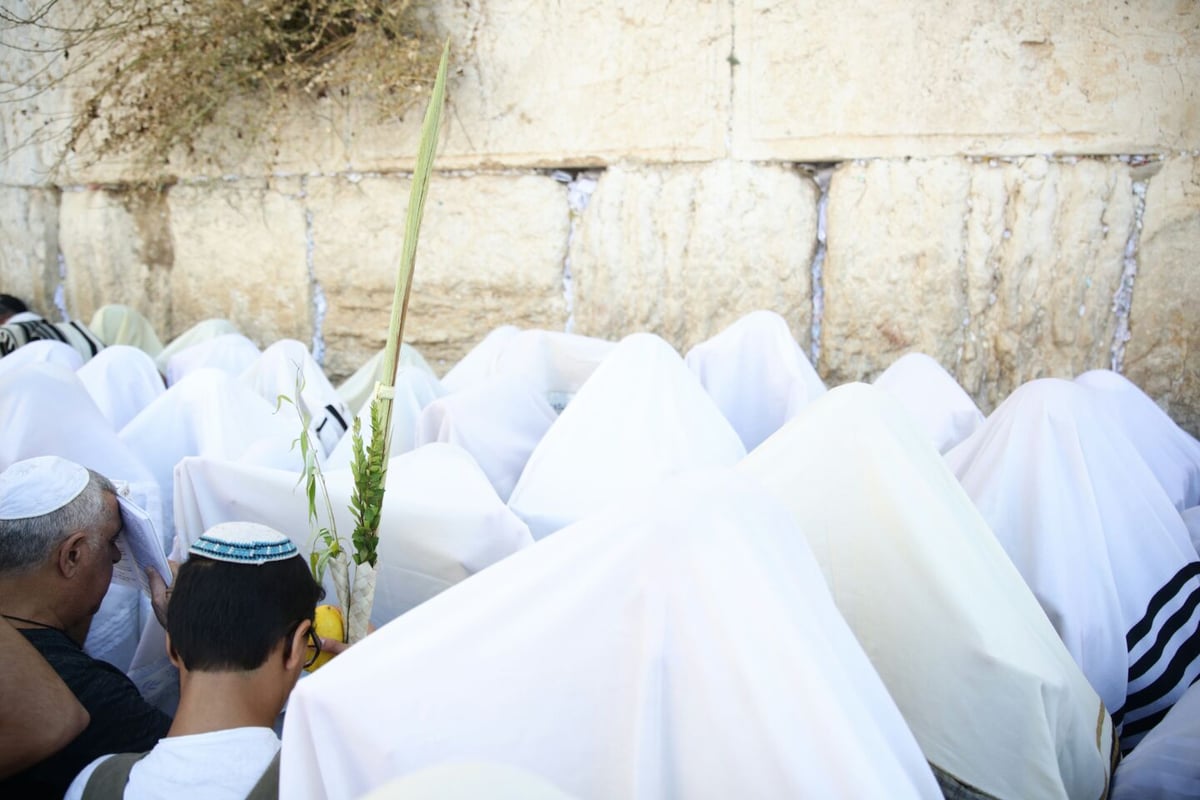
{"x":1123,"y":297}
{"x":316,"y":292}
{"x":580,"y":185}
{"x":821,"y":175}
{"x":733,"y":63}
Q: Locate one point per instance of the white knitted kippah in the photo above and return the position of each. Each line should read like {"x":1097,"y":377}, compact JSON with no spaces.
{"x":37,"y":486}
{"x":243,"y":543}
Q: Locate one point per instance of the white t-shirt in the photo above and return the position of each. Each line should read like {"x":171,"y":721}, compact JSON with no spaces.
{"x":212,"y":766}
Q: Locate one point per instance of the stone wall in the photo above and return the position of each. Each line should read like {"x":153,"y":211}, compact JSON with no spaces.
{"x":1016,"y":193}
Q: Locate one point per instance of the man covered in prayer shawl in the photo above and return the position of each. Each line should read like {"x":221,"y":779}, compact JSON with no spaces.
{"x":58,"y":528}
{"x":238,"y":623}
{"x":1097,"y":539}
{"x":19,"y":326}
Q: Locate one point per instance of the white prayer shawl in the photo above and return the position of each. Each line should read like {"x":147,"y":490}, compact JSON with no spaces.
{"x":441,"y":519}
{"x":680,"y":645}
{"x":42,"y":351}
{"x":468,"y":780}
{"x":278,"y":370}
{"x":499,"y":422}
{"x":415,"y":389}
{"x":640,"y":418}
{"x":555,"y":364}
{"x":231,"y":352}
{"x":356,"y":390}
{"x":476,"y":365}
{"x":118,"y":324}
{"x":210,"y":413}
{"x":932,"y":398}
{"x":200,"y":332}
{"x":756,"y":374}
{"x":1166,"y":763}
{"x":122,"y":380}
{"x":1171,"y":452}
{"x":47,"y":411}
{"x":1097,"y":540}
{"x":989,"y":691}
{"x":1191,"y":518}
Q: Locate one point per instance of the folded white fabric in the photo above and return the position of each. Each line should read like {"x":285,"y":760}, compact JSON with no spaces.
{"x":682,"y":644}
{"x":286,"y":368}
{"x":441,"y":519}
{"x":42,"y":351}
{"x":1105,"y":551}
{"x":1171,"y":452}
{"x":120,"y":324}
{"x":555,"y":364}
{"x":356,"y":390}
{"x":1166,"y":763}
{"x":499,"y":422}
{"x":415,"y":389}
{"x":210,"y":413}
{"x":641,"y":417}
{"x":756,"y":374}
{"x":989,"y":691}
{"x":200,"y":332}
{"x":476,"y":365}
{"x":122,"y":380}
{"x":230,"y":352}
{"x":933,"y":398}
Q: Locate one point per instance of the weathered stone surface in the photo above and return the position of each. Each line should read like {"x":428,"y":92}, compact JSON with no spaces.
{"x":1163,"y":353}
{"x":29,"y":246}
{"x":919,"y":79}
{"x":1002,"y":271}
{"x":117,"y":248}
{"x":240,"y":253}
{"x":685,"y":251}
{"x":491,"y":253}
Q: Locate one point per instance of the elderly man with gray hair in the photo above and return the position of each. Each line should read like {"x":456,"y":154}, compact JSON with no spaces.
{"x":59,"y":524}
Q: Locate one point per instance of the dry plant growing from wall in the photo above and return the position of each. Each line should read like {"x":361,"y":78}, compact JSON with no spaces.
{"x":157,"y":73}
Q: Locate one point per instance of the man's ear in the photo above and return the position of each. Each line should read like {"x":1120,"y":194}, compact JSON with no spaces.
{"x":295,"y":655}
{"x":71,"y":553}
{"x":172,"y":654}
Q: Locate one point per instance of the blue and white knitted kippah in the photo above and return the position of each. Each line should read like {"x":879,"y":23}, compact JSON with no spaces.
{"x":243,"y":543}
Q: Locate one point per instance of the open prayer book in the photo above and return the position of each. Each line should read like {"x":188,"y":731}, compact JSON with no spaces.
{"x":140,"y":547}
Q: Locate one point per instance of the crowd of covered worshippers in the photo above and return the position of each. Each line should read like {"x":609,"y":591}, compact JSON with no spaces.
{"x":693,"y":576}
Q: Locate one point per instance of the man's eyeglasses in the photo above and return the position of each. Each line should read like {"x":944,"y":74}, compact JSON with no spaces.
{"x":314,"y":647}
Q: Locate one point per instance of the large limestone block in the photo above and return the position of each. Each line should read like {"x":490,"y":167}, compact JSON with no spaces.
{"x":1002,"y":271}
{"x":895,"y":78}
{"x":241,"y":253}
{"x":117,"y":248}
{"x":685,"y":251}
{"x":29,"y":246}
{"x":1163,"y":353}
{"x":491,"y":253}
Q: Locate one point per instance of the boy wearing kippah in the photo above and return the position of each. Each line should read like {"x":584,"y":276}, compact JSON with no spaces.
{"x":238,"y":622}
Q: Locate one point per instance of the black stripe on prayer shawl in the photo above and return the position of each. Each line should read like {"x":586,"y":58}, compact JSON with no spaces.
{"x":1172,"y":626}
{"x":1140,"y":727}
{"x":340,"y":419}
{"x":87,"y":338}
{"x":1160,"y":599}
{"x":40,"y":329}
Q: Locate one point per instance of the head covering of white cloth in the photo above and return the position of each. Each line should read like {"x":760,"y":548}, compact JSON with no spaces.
{"x":414,"y":390}
{"x":122,"y":380}
{"x":680,"y":645}
{"x":441,"y":519}
{"x":476,"y":366}
{"x":641,"y":417}
{"x":499,"y":422}
{"x":232,"y":353}
{"x":287,"y":366}
{"x":1166,"y":763}
{"x":244,"y":543}
{"x":932,"y":398}
{"x":210,"y":413}
{"x":356,"y":390}
{"x":118,"y":324}
{"x":756,"y":374}
{"x":555,"y":364}
{"x":1096,"y":538}
{"x":200,"y":332}
{"x":36,"y":486}
{"x":989,"y":691}
{"x":1171,"y":452}
{"x":48,"y":412}
{"x":468,"y":780}
{"x":42,"y":351}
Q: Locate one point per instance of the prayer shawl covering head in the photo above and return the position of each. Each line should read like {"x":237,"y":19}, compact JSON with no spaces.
{"x":680,"y":644}
{"x":933,"y":398}
{"x":1105,"y":551}
{"x":990,"y":693}
{"x":15,"y":335}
